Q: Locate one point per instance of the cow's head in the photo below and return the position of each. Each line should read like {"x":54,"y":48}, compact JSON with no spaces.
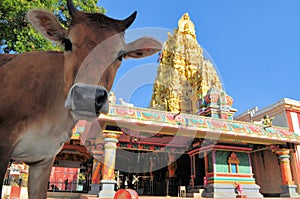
{"x":85,"y":94}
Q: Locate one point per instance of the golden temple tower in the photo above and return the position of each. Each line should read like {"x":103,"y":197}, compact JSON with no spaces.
{"x":183,"y":74}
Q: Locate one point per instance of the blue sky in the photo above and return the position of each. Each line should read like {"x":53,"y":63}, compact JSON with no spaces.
{"x":255,"y":45}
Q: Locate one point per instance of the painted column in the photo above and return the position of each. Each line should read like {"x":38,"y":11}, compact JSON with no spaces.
{"x":296,"y":164}
{"x":108,"y":169}
{"x":213,"y":155}
{"x":96,"y":176}
{"x":288,"y":187}
{"x":172,"y":165}
{"x":192,"y":180}
{"x":284,"y":158}
{"x":205,"y":179}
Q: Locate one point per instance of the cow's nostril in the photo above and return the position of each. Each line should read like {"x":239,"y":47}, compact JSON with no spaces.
{"x":100,"y":99}
{"x":77,"y":95}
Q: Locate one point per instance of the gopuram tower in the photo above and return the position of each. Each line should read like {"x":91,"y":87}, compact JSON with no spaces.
{"x":184,"y":74}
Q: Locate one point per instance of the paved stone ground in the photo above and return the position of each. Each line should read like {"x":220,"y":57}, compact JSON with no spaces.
{"x":140,"y":197}
{"x":61,"y":195}
{"x":164,"y":197}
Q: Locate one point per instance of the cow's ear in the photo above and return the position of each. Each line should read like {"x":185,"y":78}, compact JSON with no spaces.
{"x":143,"y":47}
{"x":47,"y":24}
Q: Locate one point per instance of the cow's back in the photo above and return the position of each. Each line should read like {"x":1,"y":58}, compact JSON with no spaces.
{"x":5,"y":58}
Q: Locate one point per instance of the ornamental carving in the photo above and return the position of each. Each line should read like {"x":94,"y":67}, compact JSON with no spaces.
{"x":183,"y":72}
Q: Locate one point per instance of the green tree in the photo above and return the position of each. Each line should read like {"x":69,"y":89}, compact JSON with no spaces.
{"x":16,"y":32}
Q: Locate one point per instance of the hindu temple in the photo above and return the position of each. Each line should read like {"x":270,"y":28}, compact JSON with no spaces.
{"x":189,"y":141}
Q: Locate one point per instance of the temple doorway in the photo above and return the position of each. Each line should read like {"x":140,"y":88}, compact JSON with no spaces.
{"x":199,"y":170}
{"x":136,"y":172}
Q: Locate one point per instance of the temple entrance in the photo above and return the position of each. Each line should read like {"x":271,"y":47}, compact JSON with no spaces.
{"x":200,"y":170}
{"x":136,"y":172}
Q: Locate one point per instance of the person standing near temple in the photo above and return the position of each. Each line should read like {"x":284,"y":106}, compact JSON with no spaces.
{"x":237,"y":188}
{"x":66,"y":184}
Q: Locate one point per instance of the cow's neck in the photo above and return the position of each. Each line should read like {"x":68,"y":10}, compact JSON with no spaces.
{"x":35,"y":110}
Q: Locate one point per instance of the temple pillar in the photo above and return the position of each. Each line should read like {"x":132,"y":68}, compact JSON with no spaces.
{"x":192,"y":163}
{"x":108,"y":181}
{"x":172,"y":165}
{"x":96,"y":176}
{"x":295,"y":166}
{"x":288,"y":187}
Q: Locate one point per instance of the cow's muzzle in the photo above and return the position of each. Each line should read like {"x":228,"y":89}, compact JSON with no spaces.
{"x":87,"y":101}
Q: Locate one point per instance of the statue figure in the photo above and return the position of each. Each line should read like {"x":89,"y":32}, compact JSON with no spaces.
{"x":267,"y":121}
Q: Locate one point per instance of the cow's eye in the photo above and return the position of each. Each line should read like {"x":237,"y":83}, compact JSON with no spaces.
{"x":121,"y":55}
{"x":68,"y":44}
{"x":121,"y":58}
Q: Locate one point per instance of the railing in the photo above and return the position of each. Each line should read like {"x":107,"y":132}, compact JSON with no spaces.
{"x":13,"y":181}
{"x":59,"y":186}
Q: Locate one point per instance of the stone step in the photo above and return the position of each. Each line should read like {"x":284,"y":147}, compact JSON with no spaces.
{"x":193,"y":190}
{"x":190,"y":195}
{"x":62,"y":195}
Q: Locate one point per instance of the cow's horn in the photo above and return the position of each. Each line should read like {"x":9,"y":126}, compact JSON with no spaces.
{"x":129,"y":20}
{"x":72,"y":9}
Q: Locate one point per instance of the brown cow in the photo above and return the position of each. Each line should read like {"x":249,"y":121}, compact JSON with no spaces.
{"x":41,"y":99}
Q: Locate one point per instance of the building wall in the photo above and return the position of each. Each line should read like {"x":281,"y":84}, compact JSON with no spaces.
{"x":244,"y":165}
{"x":280,"y":120}
{"x":294,"y":120}
{"x":285,"y":113}
{"x":295,"y":165}
{"x":222,"y":162}
{"x":266,"y":172}
{"x":293,"y":117}
{"x":60,"y":174}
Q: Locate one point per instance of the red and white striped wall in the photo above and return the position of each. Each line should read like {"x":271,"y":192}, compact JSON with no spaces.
{"x":293,"y":121}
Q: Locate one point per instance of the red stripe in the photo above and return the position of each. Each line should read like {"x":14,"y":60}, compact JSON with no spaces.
{"x":298,"y":115}
{"x":289,"y":118}
{"x":297,"y":160}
